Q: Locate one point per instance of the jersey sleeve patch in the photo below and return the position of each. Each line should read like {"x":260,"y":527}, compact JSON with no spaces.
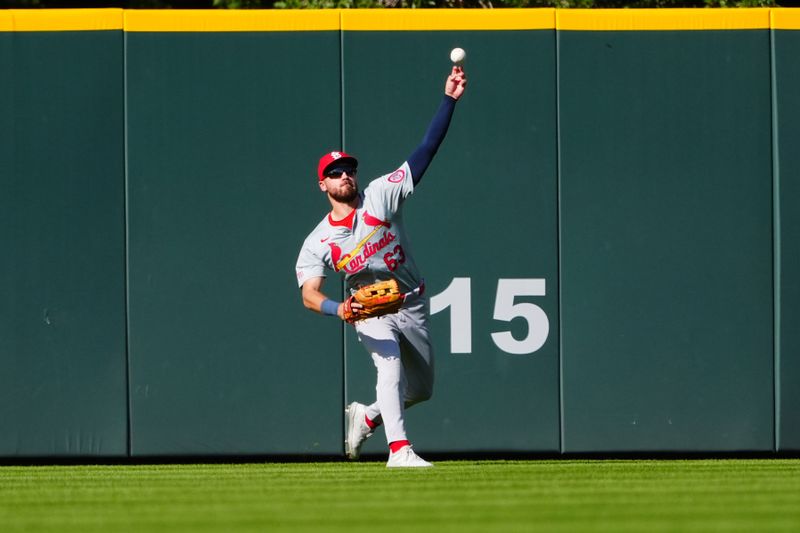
{"x":390,"y":190}
{"x":397,"y":176}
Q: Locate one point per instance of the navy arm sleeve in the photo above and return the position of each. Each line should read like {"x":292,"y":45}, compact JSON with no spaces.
{"x":419,"y":160}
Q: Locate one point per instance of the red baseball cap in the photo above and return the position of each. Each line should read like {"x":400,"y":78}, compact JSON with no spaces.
{"x":332,"y":158}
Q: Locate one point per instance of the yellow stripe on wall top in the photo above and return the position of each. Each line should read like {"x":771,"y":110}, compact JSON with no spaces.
{"x":662,"y":19}
{"x":785,"y":19}
{"x":230,"y":20}
{"x":219,"y":20}
{"x":447,"y":19}
{"x":60,"y":19}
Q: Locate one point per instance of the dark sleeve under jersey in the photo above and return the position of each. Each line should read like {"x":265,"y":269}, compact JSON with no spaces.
{"x":419,"y":160}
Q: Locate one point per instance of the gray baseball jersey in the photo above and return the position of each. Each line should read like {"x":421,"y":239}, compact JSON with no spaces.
{"x":369,"y":245}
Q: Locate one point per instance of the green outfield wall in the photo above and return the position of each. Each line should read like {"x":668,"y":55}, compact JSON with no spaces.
{"x":666,"y":234}
{"x":786,"y":83}
{"x":464,"y":254}
{"x":217,"y":364}
{"x":608,"y":233}
{"x":63,"y":383}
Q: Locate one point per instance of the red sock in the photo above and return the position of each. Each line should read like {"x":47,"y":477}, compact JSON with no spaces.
{"x":396,"y":445}
{"x":370,"y":423}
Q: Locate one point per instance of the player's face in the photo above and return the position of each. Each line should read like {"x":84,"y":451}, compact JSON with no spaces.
{"x":341,"y":184}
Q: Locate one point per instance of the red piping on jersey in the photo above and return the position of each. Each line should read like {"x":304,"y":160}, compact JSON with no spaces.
{"x":346,"y":221}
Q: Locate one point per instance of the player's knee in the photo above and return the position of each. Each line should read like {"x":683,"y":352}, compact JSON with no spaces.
{"x":390,"y":378}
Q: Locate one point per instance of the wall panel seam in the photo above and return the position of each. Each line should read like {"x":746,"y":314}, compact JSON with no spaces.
{"x":776,"y":243}
{"x":342,"y":143}
{"x":560,"y":350}
{"x":126,"y":229}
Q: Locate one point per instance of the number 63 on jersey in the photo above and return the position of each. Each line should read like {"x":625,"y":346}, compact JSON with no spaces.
{"x":458,"y":297}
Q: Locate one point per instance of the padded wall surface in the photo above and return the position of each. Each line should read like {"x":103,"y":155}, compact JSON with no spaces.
{"x":62,"y":276}
{"x":787,"y":46}
{"x":484,"y":211}
{"x":223,"y":136}
{"x":666,"y":257}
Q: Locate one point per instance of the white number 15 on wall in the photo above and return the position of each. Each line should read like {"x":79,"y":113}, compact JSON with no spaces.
{"x":458,"y":297}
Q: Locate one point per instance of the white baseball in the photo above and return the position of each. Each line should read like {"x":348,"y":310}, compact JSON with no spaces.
{"x":457,"y":55}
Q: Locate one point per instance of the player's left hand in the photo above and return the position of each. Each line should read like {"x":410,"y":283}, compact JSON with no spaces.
{"x":349,"y":309}
{"x":456,"y":83}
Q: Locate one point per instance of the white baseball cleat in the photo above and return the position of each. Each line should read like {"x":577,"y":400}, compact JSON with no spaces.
{"x":357,"y":429}
{"x":406,"y":458}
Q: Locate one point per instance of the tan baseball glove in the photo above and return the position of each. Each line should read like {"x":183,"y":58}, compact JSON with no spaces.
{"x":377,"y":299}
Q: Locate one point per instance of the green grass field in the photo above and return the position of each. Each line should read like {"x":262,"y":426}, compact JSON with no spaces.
{"x":559,"y":495}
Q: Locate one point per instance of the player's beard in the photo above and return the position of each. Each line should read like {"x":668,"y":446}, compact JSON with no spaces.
{"x":346,"y":194}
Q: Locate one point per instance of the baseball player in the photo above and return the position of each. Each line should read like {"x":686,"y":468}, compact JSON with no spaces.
{"x":364,"y":238}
